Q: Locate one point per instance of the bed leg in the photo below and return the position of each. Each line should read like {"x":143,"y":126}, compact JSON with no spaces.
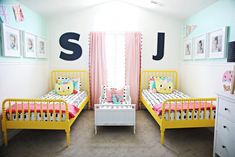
{"x":67,"y":131}
{"x":162,"y":135}
{"x":5,"y":137}
{"x":134,"y":129}
{"x":95,"y":130}
{"x":4,"y":129}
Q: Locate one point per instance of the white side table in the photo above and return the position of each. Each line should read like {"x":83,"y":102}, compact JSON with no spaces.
{"x":115,"y":115}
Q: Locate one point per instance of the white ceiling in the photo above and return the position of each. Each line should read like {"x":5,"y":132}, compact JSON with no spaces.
{"x":180,"y":9}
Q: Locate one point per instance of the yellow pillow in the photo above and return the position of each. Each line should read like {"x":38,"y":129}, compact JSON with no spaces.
{"x":164,"y":85}
{"x":64,"y":87}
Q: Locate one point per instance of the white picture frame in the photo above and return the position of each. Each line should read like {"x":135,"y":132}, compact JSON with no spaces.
{"x":217,"y":43}
{"x":41,"y":48}
{"x":188,"y":53}
{"x":10,"y":41}
{"x":200,"y":46}
{"x":29,"y":45}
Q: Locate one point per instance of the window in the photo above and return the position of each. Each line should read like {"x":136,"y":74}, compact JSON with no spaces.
{"x":115,"y":56}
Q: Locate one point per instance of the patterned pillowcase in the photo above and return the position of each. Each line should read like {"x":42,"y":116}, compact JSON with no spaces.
{"x":164,"y":85}
{"x":76,"y":83}
{"x":120,"y":94}
{"x":64,"y":87}
{"x":152,"y":84}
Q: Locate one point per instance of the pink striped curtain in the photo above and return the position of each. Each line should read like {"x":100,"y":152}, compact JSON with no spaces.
{"x":97,"y":65}
{"x":133,"y":42}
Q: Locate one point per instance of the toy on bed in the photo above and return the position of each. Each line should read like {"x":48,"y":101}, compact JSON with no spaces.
{"x":64,"y":87}
{"x":115,"y":96}
{"x":164,"y":85}
{"x":67,"y":86}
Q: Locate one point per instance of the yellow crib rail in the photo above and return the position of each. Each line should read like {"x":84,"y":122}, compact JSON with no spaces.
{"x":178,"y":104}
{"x":8,"y":103}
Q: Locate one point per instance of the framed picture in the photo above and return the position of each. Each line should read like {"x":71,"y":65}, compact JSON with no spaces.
{"x":29,"y":45}
{"x":200,"y":47}
{"x":188,"y":50}
{"x":10,"y":41}
{"x":217,"y":43}
{"x":41,"y":48}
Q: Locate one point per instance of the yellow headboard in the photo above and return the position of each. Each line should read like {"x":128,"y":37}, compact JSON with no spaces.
{"x":82,"y":74}
{"x":146,"y":74}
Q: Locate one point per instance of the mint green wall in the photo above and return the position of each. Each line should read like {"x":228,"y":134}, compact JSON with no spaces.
{"x":219,"y":14}
{"x":33,"y":22}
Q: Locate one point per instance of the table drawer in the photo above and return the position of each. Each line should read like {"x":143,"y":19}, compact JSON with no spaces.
{"x":224,"y":147}
{"x":227,"y":109}
{"x":226,"y":128}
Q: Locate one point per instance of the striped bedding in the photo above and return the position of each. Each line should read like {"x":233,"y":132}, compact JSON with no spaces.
{"x":74,"y":101}
{"x":155,"y":100}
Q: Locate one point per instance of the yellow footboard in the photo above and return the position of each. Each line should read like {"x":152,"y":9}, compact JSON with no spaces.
{"x":187,"y":113}
{"x":24,"y":114}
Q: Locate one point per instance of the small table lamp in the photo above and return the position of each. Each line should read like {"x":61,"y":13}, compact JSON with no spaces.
{"x":231,"y":58}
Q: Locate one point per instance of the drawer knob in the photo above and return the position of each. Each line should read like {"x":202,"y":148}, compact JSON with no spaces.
{"x":225,"y":126}
{"x":223,"y":146}
{"x":226,"y":109}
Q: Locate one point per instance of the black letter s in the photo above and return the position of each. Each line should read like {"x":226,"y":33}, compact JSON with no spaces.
{"x":76,"y":48}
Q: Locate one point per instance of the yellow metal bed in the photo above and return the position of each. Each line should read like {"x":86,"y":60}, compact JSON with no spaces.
{"x":175,"y":123}
{"x":55,"y":124}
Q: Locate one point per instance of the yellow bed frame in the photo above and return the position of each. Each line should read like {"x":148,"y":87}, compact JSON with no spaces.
{"x":50,"y":125}
{"x":173,"y":123}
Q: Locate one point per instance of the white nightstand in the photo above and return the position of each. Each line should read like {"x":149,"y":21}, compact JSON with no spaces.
{"x":224,"y":138}
{"x":115,"y":115}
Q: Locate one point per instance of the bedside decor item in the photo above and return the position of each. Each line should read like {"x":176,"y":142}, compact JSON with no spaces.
{"x":115,"y":115}
{"x":188,"y":50}
{"x":10,"y":41}
{"x":231,"y":58}
{"x":217,"y":43}
{"x":227,"y":80}
{"x":29,"y":45}
{"x":199,"y":47}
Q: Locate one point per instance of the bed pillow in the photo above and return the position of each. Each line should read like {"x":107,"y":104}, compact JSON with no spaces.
{"x":64,"y":87}
{"x":114,"y":94}
{"x":108,"y":94}
{"x":152,"y":84}
{"x":164,"y":85}
{"x":76,"y":83}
